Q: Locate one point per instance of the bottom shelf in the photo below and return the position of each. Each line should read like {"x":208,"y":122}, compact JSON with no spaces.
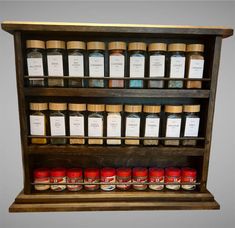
{"x":115,"y":200}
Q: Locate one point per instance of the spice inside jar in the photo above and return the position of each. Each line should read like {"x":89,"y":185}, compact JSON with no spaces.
{"x":188,"y":175}
{"x":172,"y":175}
{"x":156,"y":175}
{"x":140,"y":175}
{"x":74,"y":176}
{"x":58,"y":177}
{"x":42,"y":177}
{"x":108,"y":175}
{"x":124,"y":176}
{"x":91,"y":175}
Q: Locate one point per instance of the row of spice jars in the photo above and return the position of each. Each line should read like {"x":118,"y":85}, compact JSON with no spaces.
{"x":177,"y":121}
{"x":154,"y":178}
{"x":57,"y":58}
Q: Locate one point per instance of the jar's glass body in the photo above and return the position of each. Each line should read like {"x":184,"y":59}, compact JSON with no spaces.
{"x":114,"y":127}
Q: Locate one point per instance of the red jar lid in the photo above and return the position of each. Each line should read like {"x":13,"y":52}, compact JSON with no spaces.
{"x":41,"y":172}
{"x":156,"y":172}
{"x":108,"y":172}
{"x":74,"y":172}
{"x":91,"y":172}
{"x":124,"y":172}
{"x":140,"y":172}
{"x":172,"y":171}
{"x":188,"y":172}
{"x":58,"y":172}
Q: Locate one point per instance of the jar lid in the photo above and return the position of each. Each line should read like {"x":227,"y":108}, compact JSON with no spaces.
{"x":113,"y":108}
{"x":74,"y":172}
{"x":41,"y":172}
{"x":124,"y":172}
{"x":108,"y":172}
{"x":55,"y":44}
{"x":58,"y":106}
{"x":152,"y":108}
{"x":177,"y":47}
{"x":95,"y":45}
{"x":188,"y":172}
{"x":77,"y":107}
{"x":139,"y":171}
{"x":137,"y":46}
{"x":35,"y":44}
{"x":191,"y":108}
{"x":195,"y":48}
{"x":76,"y":45}
{"x":157,"y":47}
{"x":172,"y":171}
{"x":133,"y":108}
{"x":58,"y":172}
{"x":92,"y":173}
{"x":173,"y":108}
{"x":96,"y":107}
{"x":156,"y":172}
{"x":38,"y":106}
{"x":117,"y":45}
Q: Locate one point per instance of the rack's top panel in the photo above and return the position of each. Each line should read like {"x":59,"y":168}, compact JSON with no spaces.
{"x":12,"y":26}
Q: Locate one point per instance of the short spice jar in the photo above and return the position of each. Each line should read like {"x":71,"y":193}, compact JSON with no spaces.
{"x":156,"y":175}
{"x":124,"y":176}
{"x":58,"y":177}
{"x":108,"y":175}
{"x":188,"y":175}
{"x":140,"y":175}
{"x":74,"y":177}
{"x":91,"y":175}
{"x":172,"y":175}
{"x":42,"y":178}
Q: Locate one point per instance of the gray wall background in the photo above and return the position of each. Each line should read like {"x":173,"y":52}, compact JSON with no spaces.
{"x":221,"y":173}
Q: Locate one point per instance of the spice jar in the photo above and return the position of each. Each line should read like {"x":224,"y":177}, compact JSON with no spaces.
{"x":124,"y":176}
{"x":191,"y":124}
{"x":74,"y":177}
{"x":76,"y":50}
{"x":137,"y":53}
{"x":55,"y":62}
{"x":114,"y":123}
{"x":36,"y":61}
{"x":58,"y":176}
{"x":108,"y":175}
{"x":157,"y":59}
{"x":38,"y":122}
{"x":156,"y":175}
{"x":172,"y":175}
{"x":117,"y":60}
{"x":195,"y":65}
{"x":173,"y":124}
{"x":152,"y":123}
{"x":140,"y":175}
{"x":188,"y":175}
{"x":57,"y":122}
{"x":91,"y":175}
{"x":42,"y":178}
{"x":132,"y":123}
{"x":96,"y":60}
{"x":177,"y":64}
{"x":76,"y":122}
{"x":95,"y":122}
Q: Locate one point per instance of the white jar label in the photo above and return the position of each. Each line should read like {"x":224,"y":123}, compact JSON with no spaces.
{"x":37,"y":125}
{"x":76,"y":125}
{"x":157,"y":66}
{"x":96,"y":66}
{"x":196,"y":67}
{"x":55,"y":65}
{"x":57,"y":124}
{"x":137,"y":65}
{"x":152,"y":127}
{"x":113,"y":126}
{"x":95,"y":127}
{"x":116,"y":66}
{"x":191,"y":127}
{"x":177,"y":67}
{"x":173,"y":127}
{"x":35,"y":67}
{"x":76,"y":65}
{"x":132,"y":127}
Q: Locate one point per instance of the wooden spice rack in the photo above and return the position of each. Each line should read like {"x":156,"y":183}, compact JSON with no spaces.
{"x":98,"y":156}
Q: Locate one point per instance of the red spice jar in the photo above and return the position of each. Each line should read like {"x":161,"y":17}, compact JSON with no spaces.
{"x":172,"y":175}
{"x":91,"y":175}
{"x":124,"y":176}
{"x":58,"y":176}
{"x":140,"y":175}
{"x":74,"y":176}
{"x":41,"y":176}
{"x":108,"y":175}
{"x":188,"y":175}
{"x":156,"y":175}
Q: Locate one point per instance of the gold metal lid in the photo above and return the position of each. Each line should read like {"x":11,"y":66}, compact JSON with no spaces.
{"x":195,"y":47}
{"x":177,"y":47}
{"x":157,"y":47}
{"x":77,"y":107}
{"x":35,"y":44}
{"x":58,"y":106}
{"x":133,"y":108}
{"x":76,"y":45}
{"x":137,"y":46}
{"x":117,"y":45}
{"x":96,"y":107}
{"x":191,"y":108}
{"x":173,"y":108}
{"x":95,"y":45}
{"x":113,"y":108}
{"x":55,"y":44}
{"x":38,"y":106}
{"x":152,"y":108}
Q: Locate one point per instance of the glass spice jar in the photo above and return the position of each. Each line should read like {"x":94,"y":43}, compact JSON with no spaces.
{"x":58,"y":177}
{"x":38,"y":122}
{"x":156,"y":175}
{"x":74,"y":177}
{"x":117,"y":60}
{"x":176,"y":64}
{"x":140,"y":175}
{"x":76,"y":63}
{"x":172,"y":175}
{"x":188,"y":175}
{"x":36,"y":62}
{"x":42,"y":178}
{"x":91,"y":175}
{"x":195,"y":65}
{"x":124,"y":176}
{"x":96,"y":62}
{"x":157,"y":59}
{"x":58,"y":122}
{"x":77,"y":122}
{"x":108,"y":175}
